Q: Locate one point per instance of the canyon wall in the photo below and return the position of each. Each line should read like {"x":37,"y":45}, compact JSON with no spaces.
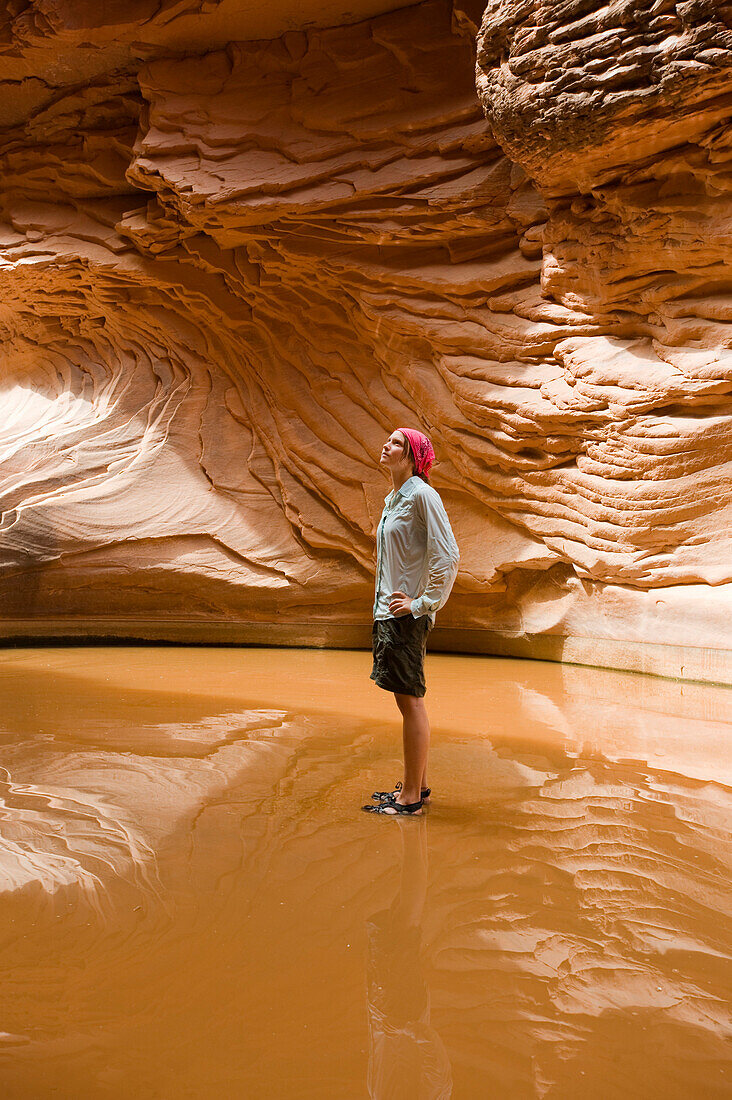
{"x":228,"y":268}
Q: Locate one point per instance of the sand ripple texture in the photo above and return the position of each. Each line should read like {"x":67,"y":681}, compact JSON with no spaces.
{"x":228,"y":267}
{"x":192,"y":904}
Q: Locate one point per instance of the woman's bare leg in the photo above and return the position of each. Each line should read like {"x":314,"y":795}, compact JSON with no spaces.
{"x":416,"y":743}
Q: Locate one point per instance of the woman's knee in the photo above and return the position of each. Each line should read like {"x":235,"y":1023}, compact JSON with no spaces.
{"x":407,"y":703}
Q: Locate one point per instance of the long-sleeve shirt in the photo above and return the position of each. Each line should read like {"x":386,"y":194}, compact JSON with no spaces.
{"x":416,"y":552}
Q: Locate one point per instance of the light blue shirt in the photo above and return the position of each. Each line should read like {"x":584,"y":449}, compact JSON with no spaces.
{"x":416,"y":552}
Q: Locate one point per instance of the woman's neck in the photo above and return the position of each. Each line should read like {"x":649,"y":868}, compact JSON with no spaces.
{"x":398,"y":479}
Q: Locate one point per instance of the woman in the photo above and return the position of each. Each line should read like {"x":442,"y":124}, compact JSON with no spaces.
{"x":416,"y":564}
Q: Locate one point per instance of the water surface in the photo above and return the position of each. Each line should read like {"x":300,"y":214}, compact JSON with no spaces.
{"x":193,"y":906}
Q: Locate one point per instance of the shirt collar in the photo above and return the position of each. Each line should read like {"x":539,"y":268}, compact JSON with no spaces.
{"x":406,"y":489}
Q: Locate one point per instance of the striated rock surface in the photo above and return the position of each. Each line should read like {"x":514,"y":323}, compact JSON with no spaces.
{"x":228,"y":268}
{"x":620,"y":115}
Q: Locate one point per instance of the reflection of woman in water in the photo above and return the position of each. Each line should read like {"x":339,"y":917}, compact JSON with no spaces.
{"x":416,"y":563}
{"x":406,"y":1055}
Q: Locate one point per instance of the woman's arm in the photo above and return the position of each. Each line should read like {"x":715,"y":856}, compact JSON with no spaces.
{"x":443,"y":555}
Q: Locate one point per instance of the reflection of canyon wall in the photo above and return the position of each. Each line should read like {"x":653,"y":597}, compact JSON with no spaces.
{"x":227,"y":270}
{"x":176,"y":866}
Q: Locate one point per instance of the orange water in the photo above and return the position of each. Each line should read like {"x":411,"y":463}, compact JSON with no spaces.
{"x":193,"y":906}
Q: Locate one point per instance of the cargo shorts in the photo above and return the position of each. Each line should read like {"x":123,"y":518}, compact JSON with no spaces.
{"x":398,"y":647}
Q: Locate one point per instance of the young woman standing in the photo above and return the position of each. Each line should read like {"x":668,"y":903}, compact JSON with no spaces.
{"x":416,"y":564}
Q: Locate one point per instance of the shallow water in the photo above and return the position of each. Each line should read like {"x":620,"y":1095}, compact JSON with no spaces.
{"x":193,"y":906}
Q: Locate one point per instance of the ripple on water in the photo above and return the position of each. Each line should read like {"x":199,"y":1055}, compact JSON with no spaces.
{"x":192,"y":904}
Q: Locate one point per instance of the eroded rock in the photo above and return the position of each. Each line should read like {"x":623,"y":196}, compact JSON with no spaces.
{"x":226,"y":276}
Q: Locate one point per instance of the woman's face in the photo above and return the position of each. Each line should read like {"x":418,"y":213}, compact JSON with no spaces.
{"x":395,"y":454}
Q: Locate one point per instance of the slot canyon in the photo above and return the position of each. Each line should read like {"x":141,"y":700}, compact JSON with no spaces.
{"x":238,"y":246}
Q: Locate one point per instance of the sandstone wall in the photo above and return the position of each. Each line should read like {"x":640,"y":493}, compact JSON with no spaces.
{"x":228,"y":269}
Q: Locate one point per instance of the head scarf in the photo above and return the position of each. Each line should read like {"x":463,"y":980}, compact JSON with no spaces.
{"x":422,"y":449}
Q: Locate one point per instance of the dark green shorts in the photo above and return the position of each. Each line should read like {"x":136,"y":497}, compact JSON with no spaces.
{"x":399,"y":646}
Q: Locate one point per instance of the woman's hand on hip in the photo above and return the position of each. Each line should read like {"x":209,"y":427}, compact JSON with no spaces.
{"x":400,"y":604}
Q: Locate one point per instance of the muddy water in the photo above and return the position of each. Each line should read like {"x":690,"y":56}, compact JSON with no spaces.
{"x":193,"y":906}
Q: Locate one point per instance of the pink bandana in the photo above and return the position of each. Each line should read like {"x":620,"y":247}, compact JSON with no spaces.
{"x":422,"y":449}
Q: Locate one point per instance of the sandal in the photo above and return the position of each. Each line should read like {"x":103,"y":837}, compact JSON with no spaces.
{"x":394,"y":809}
{"x":389,"y":796}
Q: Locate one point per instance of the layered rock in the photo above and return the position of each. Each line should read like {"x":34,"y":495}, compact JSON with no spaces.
{"x":226,"y":276}
{"x":619,"y":113}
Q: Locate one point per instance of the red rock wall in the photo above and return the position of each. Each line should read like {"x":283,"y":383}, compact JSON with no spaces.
{"x":224,"y":277}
